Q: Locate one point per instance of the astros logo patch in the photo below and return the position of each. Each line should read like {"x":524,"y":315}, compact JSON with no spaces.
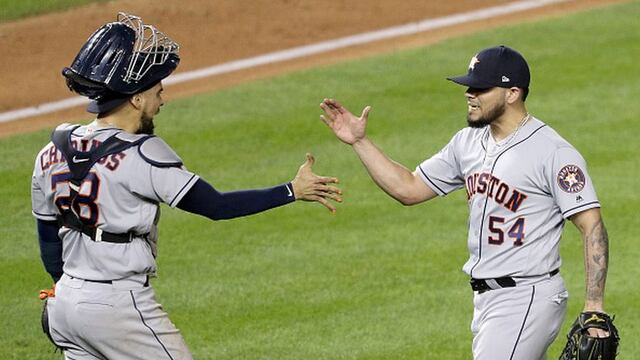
{"x":571,"y":179}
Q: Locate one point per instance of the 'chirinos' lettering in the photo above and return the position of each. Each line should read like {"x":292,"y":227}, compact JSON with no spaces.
{"x":491,"y":186}
{"x":53,"y":156}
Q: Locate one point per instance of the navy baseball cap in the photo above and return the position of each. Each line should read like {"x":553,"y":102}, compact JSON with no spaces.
{"x":498,"y":66}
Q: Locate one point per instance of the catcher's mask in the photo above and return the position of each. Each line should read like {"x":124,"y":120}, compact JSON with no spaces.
{"x":120,"y":59}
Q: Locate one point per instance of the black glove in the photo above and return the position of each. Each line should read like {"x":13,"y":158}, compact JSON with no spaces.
{"x":581,"y":346}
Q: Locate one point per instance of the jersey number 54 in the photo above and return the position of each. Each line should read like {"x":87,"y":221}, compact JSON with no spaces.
{"x":516,"y":232}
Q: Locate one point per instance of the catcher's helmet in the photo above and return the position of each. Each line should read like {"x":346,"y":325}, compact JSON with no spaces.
{"x":120,"y":59}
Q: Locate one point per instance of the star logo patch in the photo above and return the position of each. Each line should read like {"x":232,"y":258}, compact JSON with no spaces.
{"x":571,"y":179}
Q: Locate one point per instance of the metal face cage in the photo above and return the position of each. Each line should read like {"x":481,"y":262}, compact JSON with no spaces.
{"x":152,"y":47}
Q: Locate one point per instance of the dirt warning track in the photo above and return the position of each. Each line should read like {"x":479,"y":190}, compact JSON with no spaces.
{"x":210,"y":33}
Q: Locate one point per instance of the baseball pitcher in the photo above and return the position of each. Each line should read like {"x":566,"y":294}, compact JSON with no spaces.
{"x":522,"y":181}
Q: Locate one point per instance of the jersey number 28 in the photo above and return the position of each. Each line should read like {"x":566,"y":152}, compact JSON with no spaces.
{"x":516,"y":232}
{"x":84,"y":204}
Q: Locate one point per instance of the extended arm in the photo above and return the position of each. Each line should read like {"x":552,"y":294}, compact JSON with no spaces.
{"x":596,"y":256}
{"x":396,"y":180}
{"x":204,"y":200}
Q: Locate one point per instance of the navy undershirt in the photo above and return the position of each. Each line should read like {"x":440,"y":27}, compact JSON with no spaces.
{"x":203,"y":199}
{"x":50,"y":248}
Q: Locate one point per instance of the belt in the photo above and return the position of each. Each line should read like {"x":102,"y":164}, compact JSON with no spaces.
{"x":482,"y":285}
{"x":96,"y":234}
{"x":146,"y":282}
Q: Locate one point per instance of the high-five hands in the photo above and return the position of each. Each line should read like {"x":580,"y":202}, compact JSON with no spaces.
{"x":308,"y":186}
{"x":346,"y":126}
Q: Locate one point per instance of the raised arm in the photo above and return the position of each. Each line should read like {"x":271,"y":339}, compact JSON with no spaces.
{"x":396,"y":180}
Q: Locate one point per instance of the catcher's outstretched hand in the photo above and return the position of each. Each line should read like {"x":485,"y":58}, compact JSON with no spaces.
{"x":346,"y":126}
{"x":308,"y":186}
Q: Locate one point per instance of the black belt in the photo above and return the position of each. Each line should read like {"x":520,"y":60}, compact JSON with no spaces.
{"x":69,"y":220}
{"x":146,"y":282}
{"x":482,"y":285}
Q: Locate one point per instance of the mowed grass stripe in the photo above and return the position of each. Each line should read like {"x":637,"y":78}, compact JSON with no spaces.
{"x":376,"y":280}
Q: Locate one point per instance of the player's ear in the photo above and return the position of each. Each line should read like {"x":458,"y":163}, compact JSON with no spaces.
{"x":136,"y":101}
{"x":512,"y":94}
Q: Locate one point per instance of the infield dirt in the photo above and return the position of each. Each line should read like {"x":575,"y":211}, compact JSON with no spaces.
{"x":34,"y":50}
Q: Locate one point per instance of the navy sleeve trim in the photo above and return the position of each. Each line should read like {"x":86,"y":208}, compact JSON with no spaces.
{"x":431,"y":181}
{"x":572,"y":210}
{"x":181,"y":190}
{"x":44,"y":215}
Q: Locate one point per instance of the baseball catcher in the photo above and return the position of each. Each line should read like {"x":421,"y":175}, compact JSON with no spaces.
{"x":96,"y":192}
{"x":581,"y":345}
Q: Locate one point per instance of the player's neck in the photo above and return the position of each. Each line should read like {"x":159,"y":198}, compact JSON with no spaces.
{"x":508,"y":123}
{"x":124,"y":119}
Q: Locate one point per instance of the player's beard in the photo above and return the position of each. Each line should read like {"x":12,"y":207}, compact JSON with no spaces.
{"x":146,"y":126}
{"x":486,"y":119}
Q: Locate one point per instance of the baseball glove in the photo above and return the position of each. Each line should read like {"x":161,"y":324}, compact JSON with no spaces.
{"x":581,"y":346}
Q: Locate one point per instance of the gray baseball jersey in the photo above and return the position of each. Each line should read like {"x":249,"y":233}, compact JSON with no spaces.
{"x":121,"y":194}
{"x":105,"y":285}
{"x":519,"y":192}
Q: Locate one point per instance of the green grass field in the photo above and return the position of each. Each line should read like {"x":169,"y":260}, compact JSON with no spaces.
{"x":15,"y":9}
{"x":376,"y":280}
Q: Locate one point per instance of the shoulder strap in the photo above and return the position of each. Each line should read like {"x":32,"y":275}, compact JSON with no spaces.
{"x":80,"y":162}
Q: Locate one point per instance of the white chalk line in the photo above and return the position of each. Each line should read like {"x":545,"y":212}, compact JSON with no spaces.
{"x":302,"y":51}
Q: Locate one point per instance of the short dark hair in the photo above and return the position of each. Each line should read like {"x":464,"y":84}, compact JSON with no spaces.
{"x":525,"y":93}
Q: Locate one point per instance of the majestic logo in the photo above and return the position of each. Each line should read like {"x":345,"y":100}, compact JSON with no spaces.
{"x":571,"y":179}
{"x":473,"y":62}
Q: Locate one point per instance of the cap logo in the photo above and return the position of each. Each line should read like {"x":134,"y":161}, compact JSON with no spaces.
{"x":505,"y":79}
{"x":473,"y":62}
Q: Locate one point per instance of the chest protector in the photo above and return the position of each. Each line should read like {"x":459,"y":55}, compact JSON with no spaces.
{"x":80,"y":163}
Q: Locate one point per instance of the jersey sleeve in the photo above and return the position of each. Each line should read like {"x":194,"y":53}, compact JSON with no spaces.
{"x":442,"y":172}
{"x":159,"y":174}
{"x":40,"y":207}
{"x":162,"y":184}
{"x":570,"y":183}
{"x":172,"y":183}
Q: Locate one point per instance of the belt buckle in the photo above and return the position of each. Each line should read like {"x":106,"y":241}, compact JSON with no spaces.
{"x":479,"y":285}
{"x":98,"y":236}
